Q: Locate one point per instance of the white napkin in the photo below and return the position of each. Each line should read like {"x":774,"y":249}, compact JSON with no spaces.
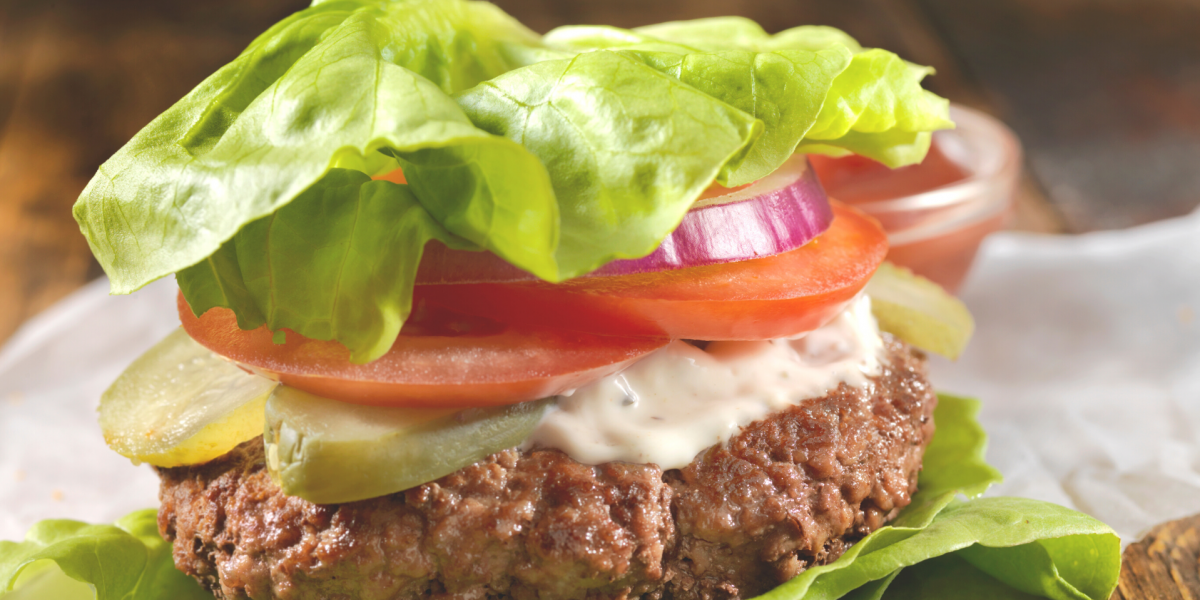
{"x":1087,"y":359}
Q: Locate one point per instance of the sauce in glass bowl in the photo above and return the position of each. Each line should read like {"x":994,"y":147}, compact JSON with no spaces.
{"x":936,"y":213}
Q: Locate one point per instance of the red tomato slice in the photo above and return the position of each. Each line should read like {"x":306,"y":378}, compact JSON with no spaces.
{"x":440,"y":360}
{"x":778,"y":296}
{"x":396,"y":176}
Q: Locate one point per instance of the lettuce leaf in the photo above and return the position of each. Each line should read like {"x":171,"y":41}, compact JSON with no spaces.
{"x":714,"y":34}
{"x":365,"y":236}
{"x":722,"y":33}
{"x":69,"y":560}
{"x":939,"y":546}
{"x":557,"y":154}
{"x":877,"y":108}
{"x":1013,"y":546}
{"x":628,"y":148}
{"x":874,"y":106}
{"x":1025,"y":537}
{"x":323,"y":85}
{"x":785,"y":90}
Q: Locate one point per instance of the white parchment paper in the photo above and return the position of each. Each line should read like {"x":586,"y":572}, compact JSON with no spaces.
{"x":1087,"y":358}
{"x":53,"y":461}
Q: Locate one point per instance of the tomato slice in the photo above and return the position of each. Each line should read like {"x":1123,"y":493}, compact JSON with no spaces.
{"x":778,"y":296}
{"x":396,"y":176}
{"x":440,"y":360}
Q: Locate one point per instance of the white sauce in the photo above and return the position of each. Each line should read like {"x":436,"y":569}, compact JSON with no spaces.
{"x":680,"y":400}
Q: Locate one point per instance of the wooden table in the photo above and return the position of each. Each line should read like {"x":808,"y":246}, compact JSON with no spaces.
{"x":1104,"y":95}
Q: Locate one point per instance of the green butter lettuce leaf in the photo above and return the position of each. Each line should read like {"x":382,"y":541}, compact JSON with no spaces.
{"x":714,"y":34}
{"x":69,"y":560}
{"x":998,"y":547}
{"x":628,"y":148}
{"x":785,"y":90}
{"x":340,"y":98}
{"x":954,"y":460}
{"x":833,"y":97}
{"x":946,"y":577}
{"x":1059,"y":567}
{"x":919,"y":311}
{"x":557,"y":154}
{"x":877,"y":108}
{"x":1009,"y":529}
{"x":723,"y":33}
{"x":872,"y":590}
{"x":569,"y":40}
{"x":340,"y":78}
{"x":308,"y":266}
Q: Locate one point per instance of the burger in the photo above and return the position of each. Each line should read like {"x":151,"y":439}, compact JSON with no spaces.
{"x":470,"y":312}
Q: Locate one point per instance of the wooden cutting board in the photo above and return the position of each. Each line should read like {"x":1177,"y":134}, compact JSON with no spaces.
{"x":1165,"y":565}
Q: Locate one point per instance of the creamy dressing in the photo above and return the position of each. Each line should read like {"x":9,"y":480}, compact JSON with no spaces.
{"x":680,"y":400}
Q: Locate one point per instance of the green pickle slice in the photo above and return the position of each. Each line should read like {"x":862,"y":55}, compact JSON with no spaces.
{"x":180,"y":404}
{"x":330,"y":452}
{"x":919,"y":311}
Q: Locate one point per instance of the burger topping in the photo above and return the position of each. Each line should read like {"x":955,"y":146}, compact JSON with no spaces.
{"x":180,"y":404}
{"x":778,"y":296}
{"x":558,"y":154}
{"x":330,"y":452}
{"x":442,"y":359}
{"x":778,"y":213}
{"x":680,"y":400}
{"x":919,"y":311}
{"x":531,"y":340}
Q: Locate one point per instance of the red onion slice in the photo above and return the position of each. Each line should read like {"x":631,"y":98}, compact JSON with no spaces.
{"x":778,"y":213}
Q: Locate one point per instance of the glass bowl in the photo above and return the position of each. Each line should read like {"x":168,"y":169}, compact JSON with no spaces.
{"x":937,"y":213}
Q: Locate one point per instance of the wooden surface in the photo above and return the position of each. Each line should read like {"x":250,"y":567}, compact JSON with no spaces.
{"x":1165,"y":565}
{"x":1105,"y":95}
{"x":78,"y":79}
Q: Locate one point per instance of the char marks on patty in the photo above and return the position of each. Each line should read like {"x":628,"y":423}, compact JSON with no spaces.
{"x":788,"y":492}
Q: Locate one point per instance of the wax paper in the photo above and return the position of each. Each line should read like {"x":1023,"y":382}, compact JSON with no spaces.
{"x":1087,"y":359}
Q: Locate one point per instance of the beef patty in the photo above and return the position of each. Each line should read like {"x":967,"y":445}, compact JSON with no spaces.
{"x":788,"y":492}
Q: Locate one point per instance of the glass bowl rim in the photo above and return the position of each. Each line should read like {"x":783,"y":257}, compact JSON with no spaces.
{"x":1001,"y":157}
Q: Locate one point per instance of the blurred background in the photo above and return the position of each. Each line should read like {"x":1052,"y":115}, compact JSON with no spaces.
{"x":1104,"y":94}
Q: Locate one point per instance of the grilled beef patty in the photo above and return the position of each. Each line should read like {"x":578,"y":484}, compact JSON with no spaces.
{"x":788,"y":492}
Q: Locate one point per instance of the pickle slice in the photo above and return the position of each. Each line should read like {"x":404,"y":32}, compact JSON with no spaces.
{"x":180,"y":404}
{"x":919,"y":311}
{"x":330,"y":452}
